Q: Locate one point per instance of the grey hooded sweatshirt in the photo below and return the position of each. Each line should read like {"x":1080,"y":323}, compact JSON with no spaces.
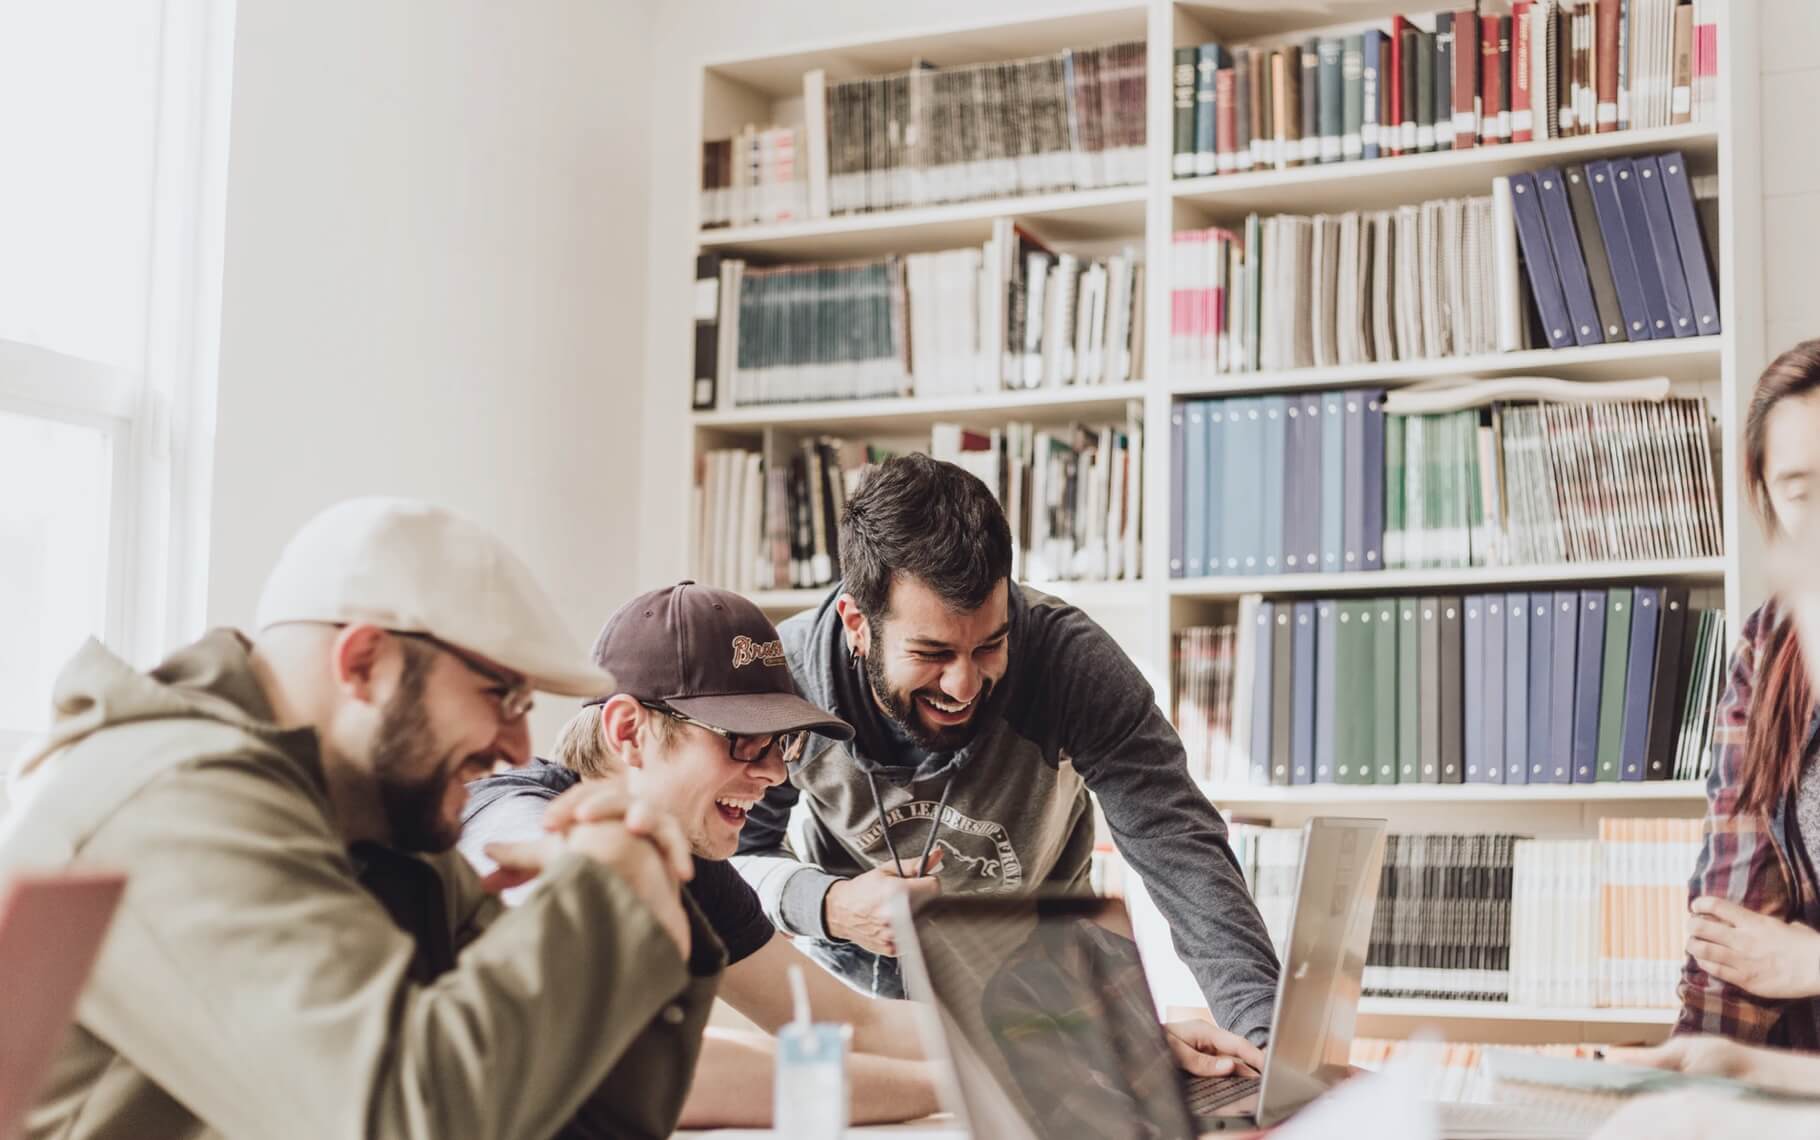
{"x":1072,"y":715}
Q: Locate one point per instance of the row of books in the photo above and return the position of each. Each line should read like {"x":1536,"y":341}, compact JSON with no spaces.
{"x":1547,"y":69}
{"x":1072,"y":497}
{"x":1329,"y":482}
{"x":1011,"y":313}
{"x":1608,"y":251}
{"x":1287,"y":292}
{"x":1603,"y":922}
{"x":1552,"y":687}
{"x":1068,"y":120}
{"x":1544,"y":484}
{"x":762,"y":526}
{"x":754,"y":178}
{"x":1547,"y":923}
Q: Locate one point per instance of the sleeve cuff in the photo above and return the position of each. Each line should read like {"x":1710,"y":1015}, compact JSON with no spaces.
{"x":801,"y":904}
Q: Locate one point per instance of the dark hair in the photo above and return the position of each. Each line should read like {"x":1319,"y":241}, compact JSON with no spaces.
{"x":930,"y":520}
{"x":1776,"y":724}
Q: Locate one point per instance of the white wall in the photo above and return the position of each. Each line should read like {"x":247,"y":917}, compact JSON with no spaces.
{"x":433,"y":284}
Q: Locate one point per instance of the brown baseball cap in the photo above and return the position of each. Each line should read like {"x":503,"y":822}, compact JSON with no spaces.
{"x":712,"y":655}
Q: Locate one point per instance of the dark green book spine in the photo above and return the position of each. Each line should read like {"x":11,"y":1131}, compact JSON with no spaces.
{"x":1618,"y":605}
{"x":1384,"y":696}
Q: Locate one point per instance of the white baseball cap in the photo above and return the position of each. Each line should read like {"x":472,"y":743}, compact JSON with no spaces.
{"x":411,"y":567}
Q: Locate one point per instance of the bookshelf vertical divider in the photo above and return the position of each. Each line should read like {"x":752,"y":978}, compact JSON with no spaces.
{"x":1144,"y":615}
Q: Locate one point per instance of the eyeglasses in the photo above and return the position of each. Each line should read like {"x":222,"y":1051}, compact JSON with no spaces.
{"x":745,"y":749}
{"x":513,"y":694}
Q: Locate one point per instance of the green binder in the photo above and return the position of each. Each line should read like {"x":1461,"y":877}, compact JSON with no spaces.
{"x":1409,"y":737}
{"x":1355,"y":693}
{"x":1618,"y":605}
{"x":1384,"y":691}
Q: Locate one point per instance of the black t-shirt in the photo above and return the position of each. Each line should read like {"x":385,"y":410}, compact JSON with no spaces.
{"x":731,"y":907}
{"x":724,"y":898}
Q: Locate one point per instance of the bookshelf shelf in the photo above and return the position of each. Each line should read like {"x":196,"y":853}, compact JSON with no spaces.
{"x":1461,"y":579}
{"x":1091,"y":596}
{"x":1080,"y":215}
{"x":1442,"y":1010}
{"x":1229,"y":795}
{"x":776,"y":602}
{"x":918,"y":413}
{"x":1384,"y":182}
{"x":1686,"y":360}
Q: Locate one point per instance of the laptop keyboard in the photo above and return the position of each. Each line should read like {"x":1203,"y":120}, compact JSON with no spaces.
{"x":1208,"y":1094}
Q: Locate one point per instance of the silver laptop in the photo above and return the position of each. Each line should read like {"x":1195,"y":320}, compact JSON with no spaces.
{"x":1042,"y":1006}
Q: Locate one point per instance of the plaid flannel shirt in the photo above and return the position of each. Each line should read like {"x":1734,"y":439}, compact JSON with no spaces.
{"x":1748,"y":857}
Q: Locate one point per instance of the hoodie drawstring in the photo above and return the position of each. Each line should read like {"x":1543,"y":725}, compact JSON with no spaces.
{"x":935,"y":825}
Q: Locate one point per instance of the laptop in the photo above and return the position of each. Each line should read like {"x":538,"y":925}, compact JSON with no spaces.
{"x":51,"y":927}
{"x":1043,"y":1006}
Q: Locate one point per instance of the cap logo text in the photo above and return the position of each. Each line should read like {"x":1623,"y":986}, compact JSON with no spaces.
{"x":746,"y":651}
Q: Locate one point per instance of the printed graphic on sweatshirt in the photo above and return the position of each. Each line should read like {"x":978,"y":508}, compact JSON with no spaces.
{"x":980,"y":849}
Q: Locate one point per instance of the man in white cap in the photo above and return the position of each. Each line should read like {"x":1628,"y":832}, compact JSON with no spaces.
{"x":298,"y":952}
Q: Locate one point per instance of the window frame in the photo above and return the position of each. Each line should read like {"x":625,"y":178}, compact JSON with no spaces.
{"x":159,"y":419}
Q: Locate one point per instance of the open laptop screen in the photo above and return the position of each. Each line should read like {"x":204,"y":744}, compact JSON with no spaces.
{"x":1046,"y":1011}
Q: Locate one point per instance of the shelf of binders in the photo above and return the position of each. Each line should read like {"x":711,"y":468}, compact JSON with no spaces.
{"x":1228,"y":796}
{"x":1689,"y":359}
{"x":1073,"y":216}
{"x":1425,"y":1009}
{"x":1451,"y":578}
{"x":917,"y":413}
{"x":1379,"y":183}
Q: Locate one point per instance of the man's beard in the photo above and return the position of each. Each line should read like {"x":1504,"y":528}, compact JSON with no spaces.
{"x":412,"y":804}
{"x":901,"y":708}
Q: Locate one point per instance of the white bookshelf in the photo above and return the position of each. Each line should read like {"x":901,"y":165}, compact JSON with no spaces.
{"x":1690,"y":360}
{"x":1387,"y":796}
{"x":1411,"y":178}
{"x":1144,"y":614}
{"x":1082,"y":215}
{"x":899,"y":415}
{"x":1423,"y":1009}
{"x":1471,"y":579}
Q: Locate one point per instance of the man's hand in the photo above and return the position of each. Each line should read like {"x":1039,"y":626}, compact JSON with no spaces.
{"x":1203,"y":1049}
{"x":641,"y":844}
{"x":859,"y":909}
{"x":1758,"y":954}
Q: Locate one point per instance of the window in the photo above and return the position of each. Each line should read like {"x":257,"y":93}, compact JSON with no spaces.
{"x":113,"y":138}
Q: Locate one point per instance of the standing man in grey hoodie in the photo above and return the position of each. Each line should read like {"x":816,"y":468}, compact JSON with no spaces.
{"x":984,"y":712}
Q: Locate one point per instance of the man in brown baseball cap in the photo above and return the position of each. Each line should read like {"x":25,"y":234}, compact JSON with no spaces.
{"x":703,"y":721}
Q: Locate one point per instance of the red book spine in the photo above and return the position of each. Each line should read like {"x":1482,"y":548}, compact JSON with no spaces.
{"x":1522,"y":117}
{"x":1488,"y":81}
{"x":1465,"y":79}
{"x":1605,"y":62}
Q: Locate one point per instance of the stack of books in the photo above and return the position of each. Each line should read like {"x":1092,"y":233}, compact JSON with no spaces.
{"x":1473,"y":77}
{"x":1604,"y":252}
{"x":1539,"y":923}
{"x":1339,"y":482}
{"x":1068,"y":120}
{"x":1603,"y":922}
{"x":755,"y":178}
{"x":1010,"y":314}
{"x":1562,"y":687}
